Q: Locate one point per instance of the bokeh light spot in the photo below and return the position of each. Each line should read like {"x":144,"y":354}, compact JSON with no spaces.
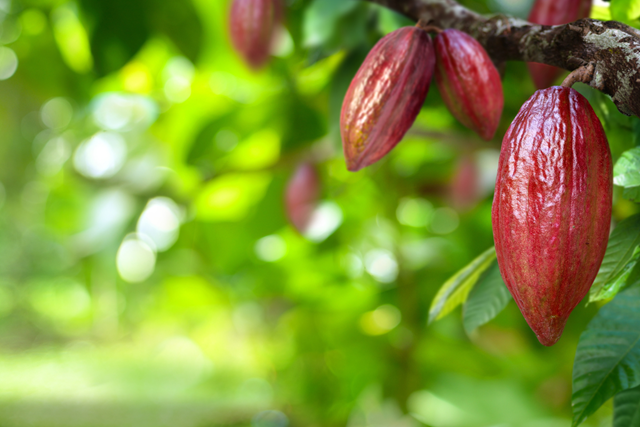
{"x":101,"y":156}
{"x":271,"y":418}
{"x":8,"y":63}
{"x":414,"y":212}
{"x":135,"y":259}
{"x":445,"y":221}
{"x":160,"y":221}
{"x":381,"y":320}
{"x":324,"y":221}
{"x":56,"y":113}
{"x":382,"y":265}
{"x":270,"y":248}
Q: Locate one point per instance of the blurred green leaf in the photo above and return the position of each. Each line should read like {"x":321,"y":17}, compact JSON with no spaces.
{"x":320,"y":20}
{"x":487,"y":298}
{"x":455,"y":290}
{"x":621,"y":256}
{"x":626,"y":172}
{"x":120,"y":28}
{"x":626,"y":11}
{"x":626,"y":408}
{"x":201,"y":144}
{"x":303,"y":125}
{"x":608,"y":355}
{"x":179,"y":21}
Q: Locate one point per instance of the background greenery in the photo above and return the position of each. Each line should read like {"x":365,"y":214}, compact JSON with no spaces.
{"x":149,"y":277}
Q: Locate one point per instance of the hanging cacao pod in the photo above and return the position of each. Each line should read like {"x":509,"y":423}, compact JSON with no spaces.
{"x":301,"y":196}
{"x":386,"y":95}
{"x":464,"y":188}
{"x":468,"y":81}
{"x":552,"y":207}
{"x":252,"y":26}
{"x":554,"y":12}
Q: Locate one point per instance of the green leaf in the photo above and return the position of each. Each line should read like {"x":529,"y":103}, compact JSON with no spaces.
{"x":179,"y":21}
{"x":455,"y":290}
{"x":626,"y":11}
{"x":119,"y":31}
{"x":621,"y":256}
{"x":201,"y":144}
{"x":632,"y":193}
{"x":321,"y":18}
{"x":626,"y":408}
{"x":487,"y":298}
{"x":608,"y":355}
{"x":626,"y":172}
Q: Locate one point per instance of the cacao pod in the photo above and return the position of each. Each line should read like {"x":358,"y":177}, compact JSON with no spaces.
{"x":552,"y":207}
{"x":252,"y":27}
{"x":554,"y":12}
{"x":385,"y":96}
{"x":468,"y":81}
{"x":465,"y":189}
{"x":301,"y":196}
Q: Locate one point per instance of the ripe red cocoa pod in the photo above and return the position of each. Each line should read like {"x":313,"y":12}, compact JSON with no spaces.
{"x":468,"y":82}
{"x":552,"y":207}
{"x":386,"y":95}
{"x":554,"y":12}
{"x":301,"y":196}
{"x":252,"y":25}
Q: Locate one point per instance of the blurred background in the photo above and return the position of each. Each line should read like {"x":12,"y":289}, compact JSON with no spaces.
{"x":149,"y":275}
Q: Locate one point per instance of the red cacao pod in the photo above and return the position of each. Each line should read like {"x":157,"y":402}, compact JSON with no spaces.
{"x":301,"y":196}
{"x":252,"y":26}
{"x":554,"y":12}
{"x":468,"y":81}
{"x":386,"y":95}
{"x":552,"y":207}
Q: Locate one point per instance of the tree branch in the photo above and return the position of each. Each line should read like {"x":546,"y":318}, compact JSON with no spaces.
{"x":613,"y":48}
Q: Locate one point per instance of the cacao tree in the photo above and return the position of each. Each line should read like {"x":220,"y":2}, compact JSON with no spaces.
{"x":319,"y":213}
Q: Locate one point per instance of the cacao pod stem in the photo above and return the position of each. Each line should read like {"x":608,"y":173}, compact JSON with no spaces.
{"x":583,"y":74}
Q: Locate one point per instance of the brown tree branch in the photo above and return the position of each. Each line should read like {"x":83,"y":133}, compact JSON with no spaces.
{"x":613,"y":48}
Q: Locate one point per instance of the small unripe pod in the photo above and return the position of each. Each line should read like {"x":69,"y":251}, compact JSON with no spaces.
{"x":552,"y":207}
{"x":252,"y":26}
{"x":301,"y":196}
{"x":386,"y":95}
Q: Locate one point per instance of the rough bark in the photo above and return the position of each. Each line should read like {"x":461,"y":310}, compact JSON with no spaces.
{"x":613,"y":48}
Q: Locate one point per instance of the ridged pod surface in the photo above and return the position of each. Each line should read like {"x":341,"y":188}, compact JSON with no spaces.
{"x":252,"y":24}
{"x":468,"y":82}
{"x":386,"y":95}
{"x":301,"y":196}
{"x":552,"y":207}
{"x":554,"y":12}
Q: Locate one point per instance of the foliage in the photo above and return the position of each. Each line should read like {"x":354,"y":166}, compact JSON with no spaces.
{"x":149,"y":276}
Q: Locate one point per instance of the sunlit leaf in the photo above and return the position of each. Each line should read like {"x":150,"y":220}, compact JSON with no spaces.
{"x":626,"y":172}
{"x":487,"y":298}
{"x":621,"y":256}
{"x":626,"y":408}
{"x":608,"y":355}
{"x":455,"y":290}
